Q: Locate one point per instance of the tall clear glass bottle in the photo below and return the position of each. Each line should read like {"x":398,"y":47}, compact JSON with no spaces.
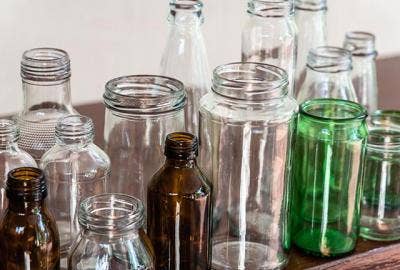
{"x":47,"y":97}
{"x":362,"y":47}
{"x":270,"y":35}
{"x":247,"y":123}
{"x":11,"y":156}
{"x":75,"y":169}
{"x":185,"y":56}
{"x":310,"y":16}
{"x":328,"y":75}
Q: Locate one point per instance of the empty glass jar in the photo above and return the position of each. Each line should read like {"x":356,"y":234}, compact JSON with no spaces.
{"x":112,"y":235}
{"x":140,"y":111}
{"x":246,"y":129}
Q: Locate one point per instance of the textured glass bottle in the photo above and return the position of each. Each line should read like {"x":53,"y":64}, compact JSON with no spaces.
{"x":112,"y":235}
{"x":270,"y":35}
{"x":45,"y":81}
{"x":140,"y":112}
{"x":179,"y":208}
{"x":310,"y":16}
{"x":362,"y":47}
{"x":327,"y":164}
{"x":11,"y":156}
{"x":246,"y":125}
{"x":380,"y":204}
{"x":75,"y":169}
{"x":28,"y":232}
{"x":328,"y":75}
{"x":185,"y":56}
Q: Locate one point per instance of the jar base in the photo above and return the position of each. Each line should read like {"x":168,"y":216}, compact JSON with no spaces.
{"x":376,"y":235}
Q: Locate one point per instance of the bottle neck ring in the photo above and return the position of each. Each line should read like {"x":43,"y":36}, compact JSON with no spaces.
{"x":186,"y":12}
{"x":270,"y":8}
{"x":311,"y":5}
{"x":74,"y":129}
{"x":328,"y":59}
{"x":360,"y":43}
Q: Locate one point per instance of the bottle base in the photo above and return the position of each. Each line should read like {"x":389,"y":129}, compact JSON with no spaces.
{"x":377,"y":235}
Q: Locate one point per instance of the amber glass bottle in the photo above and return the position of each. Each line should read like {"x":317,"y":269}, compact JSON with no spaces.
{"x":179,"y":208}
{"x":28,"y":233}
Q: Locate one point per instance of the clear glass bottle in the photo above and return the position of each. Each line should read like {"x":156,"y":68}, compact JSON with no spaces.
{"x":362,"y":47}
{"x":185,"y":56}
{"x":270,"y":35}
{"x":28,"y":233}
{"x":328,"y":75}
{"x":11,"y":156}
{"x":112,"y":235}
{"x":310,"y":16}
{"x":247,"y":123}
{"x":380,"y":203}
{"x":47,"y":97}
{"x":75,"y":169}
{"x":327,"y":166}
{"x":179,"y":208}
{"x":140,"y":111}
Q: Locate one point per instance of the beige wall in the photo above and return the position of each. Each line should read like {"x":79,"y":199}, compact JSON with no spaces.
{"x":108,"y":38}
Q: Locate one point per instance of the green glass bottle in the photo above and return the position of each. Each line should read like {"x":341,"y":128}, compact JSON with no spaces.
{"x":328,"y":156}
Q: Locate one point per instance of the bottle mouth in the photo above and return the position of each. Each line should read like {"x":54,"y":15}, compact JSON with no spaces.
{"x":250,"y":81}
{"x":270,"y":8}
{"x":26,"y":183}
{"x":181,"y":145}
{"x":116,"y":213}
{"x":360,"y":43}
{"x":311,"y":5}
{"x":186,"y":5}
{"x":45,"y":65}
{"x":329,"y":59}
{"x":9,"y":131}
{"x":144,"y":94}
{"x":74,"y":127}
{"x":384,"y":129}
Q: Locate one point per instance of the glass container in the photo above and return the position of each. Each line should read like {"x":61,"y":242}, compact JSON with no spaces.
{"x":327,"y":165}
{"x":11,"y":156}
{"x":75,"y":169}
{"x":328,"y":75}
{"x":362,"y":47}
{"x":270,"y":35}
{"x":112,"y":235}
{"x":140,"y":111}
{"x":179,"y":208}
{"x":380,"y":204}
{"x":247,"y":123}
{"x":45,"y":76}
{"x":185,"y":56}
{"x":28,"y":233}
{"x":310,"y":16}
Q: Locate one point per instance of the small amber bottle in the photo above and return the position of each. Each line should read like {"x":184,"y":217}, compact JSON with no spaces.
{"x":179,"y":208}
{"x":28,"y":233}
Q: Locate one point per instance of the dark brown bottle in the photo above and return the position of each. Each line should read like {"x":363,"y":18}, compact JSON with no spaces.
{"x":28,"y":234}
{"x":179,"y":208}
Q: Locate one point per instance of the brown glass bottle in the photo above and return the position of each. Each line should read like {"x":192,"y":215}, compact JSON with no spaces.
{"x":28,"y":233}
{"x":179,"y":208}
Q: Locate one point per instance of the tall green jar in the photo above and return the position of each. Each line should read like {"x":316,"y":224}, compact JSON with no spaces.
{"x":328,"y":157}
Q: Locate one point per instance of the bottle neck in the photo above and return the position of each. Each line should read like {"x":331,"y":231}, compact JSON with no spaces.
{"x":9,"y":134}
{"x":74,"y":129}
{"x":311,"y":5}
{"x":186,"y":13}
{"x":23,"y":206}
{"x":181,"y":163}
{"x":270,"y":8}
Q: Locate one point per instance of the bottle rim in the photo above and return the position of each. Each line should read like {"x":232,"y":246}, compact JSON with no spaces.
{"x":9,"y":131}
{"x":74,"y":127}
{"x":144,"y":95}
{"x":189,"y":5}
{"x":311,"y":5}
{"x":329,"y":59}
{"x":181,"y":145}
{"x":27,"y":184}
{"x":384,"y":128}
{"x":250,"y":81}
{"x":270,"y":8}
{"x":360,"y":43}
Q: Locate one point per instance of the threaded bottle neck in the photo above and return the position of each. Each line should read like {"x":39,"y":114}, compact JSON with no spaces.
{"x":181,"y":146}
{"x":9,"y":133}
{"x":270,"y":8}
{"x":328,"y":59}
{"x":360,"y":43}
{"x":74,"y":129}
{"x":311,"y":5}
{"x":26,"y":184}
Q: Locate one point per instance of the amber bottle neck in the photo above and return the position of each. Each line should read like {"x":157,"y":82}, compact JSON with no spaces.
{"x":181,"y":163}
{"x":21,"y":206}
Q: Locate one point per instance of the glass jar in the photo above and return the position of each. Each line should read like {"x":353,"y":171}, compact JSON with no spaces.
{"x":11,"y":156}
{"x":270,"y":35}
{"x":140,"y":111}
{"x":310,"y":16}
{"x":75,"y":169}
{"x":327,"y":166}
{"x":380,"y":204}
{"x":28,"y":233}
{"x":47,"y":97}
{"x":246,"y":125}
{"x":185,"y":56}
{"x":328,"y":75}
{"x":112,"y":235}
{"x":362,"y":47}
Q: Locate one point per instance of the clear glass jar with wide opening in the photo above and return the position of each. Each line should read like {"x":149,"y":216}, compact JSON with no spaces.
{"x":246,"y":129}
{"x":140,"y":111}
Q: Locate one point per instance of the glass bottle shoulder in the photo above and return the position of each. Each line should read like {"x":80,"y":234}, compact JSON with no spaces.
{"x":14,"y":157}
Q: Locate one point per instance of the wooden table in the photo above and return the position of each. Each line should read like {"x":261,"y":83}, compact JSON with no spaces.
{"x":368,"y":254}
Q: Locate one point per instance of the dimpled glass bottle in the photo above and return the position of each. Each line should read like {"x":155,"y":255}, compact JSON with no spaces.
{"x":75,"y":168}
{"x":11,"y":156}
{"x":327,"y":168}
{"x":28,"y":233}
{"x":47,"y":97}
{"x":179,"y":208}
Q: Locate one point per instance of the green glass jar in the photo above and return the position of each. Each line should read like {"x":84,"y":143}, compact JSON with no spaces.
{"x":328,"y":156}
